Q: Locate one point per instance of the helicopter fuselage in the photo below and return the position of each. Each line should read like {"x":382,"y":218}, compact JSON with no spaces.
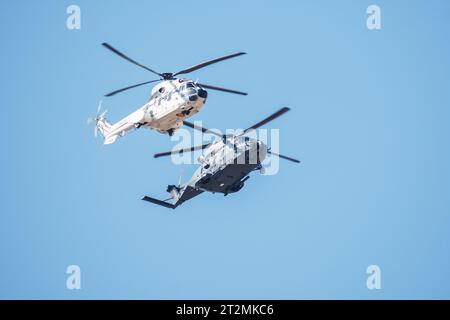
{"x":171,"y":102}
{"x":224,"y":167}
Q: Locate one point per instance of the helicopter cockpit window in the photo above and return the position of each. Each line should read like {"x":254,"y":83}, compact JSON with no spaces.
{"x":190,"y":85}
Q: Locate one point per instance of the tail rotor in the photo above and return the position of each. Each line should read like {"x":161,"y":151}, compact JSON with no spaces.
{"x":98,"y":117}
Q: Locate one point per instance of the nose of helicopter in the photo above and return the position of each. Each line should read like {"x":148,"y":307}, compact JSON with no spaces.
{"x":202,"y":93}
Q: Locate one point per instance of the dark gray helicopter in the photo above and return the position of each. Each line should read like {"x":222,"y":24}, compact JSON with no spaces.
{"x":224,"y":166}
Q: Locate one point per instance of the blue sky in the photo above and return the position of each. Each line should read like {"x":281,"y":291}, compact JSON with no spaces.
{"x":369,"y":120}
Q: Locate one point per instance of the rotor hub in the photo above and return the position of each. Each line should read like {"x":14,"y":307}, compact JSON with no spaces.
{"x":167,"y":75}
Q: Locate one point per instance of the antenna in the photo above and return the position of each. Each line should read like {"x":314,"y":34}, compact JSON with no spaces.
{"x":180,"y":178}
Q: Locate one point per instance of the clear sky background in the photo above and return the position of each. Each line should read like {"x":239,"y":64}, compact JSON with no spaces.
{"x":369,"y":120}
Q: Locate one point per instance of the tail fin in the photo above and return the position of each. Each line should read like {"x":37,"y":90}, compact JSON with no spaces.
{"x":178,"y":195}
{"x":159,"y":202}
{"x":102,"y":125}
{"x":105,"y":128}
{"x":175,"y":193}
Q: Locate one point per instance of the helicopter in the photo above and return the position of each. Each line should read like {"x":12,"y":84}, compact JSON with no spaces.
{"x":225,"y":164}
{"x":171,"y":101}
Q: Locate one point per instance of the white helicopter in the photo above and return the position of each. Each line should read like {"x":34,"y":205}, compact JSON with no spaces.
{"x":171,"y":101}
{"x":224,"y":166}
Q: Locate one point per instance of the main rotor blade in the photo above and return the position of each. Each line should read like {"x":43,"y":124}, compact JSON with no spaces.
{"x":130,"y":87}
{"x":283,"y":157}
{"x":204,"y":130}
{"x":268,"y":119}
{"x":207,"y":63}
{"x":120,"y":54}
{"x":221,"y":89}
{"x":192,"y":149}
